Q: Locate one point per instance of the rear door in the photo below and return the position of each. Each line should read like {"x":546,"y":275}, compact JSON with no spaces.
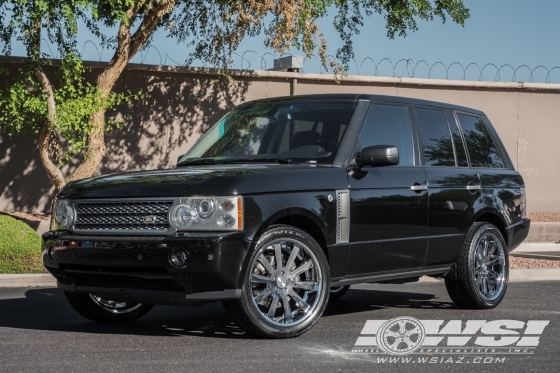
{"x":454,"y":187}
{"x":388,"y":229}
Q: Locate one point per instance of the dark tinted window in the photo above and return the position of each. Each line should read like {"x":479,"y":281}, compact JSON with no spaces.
{"x":458,"y":142}
{"x":436,"y":138}
{"x":389,"y":125}
{"x":482,"y":150}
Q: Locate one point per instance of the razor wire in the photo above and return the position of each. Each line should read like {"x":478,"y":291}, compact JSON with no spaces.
{"x":367,"y":66}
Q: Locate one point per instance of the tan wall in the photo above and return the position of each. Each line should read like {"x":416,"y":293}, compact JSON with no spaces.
{"x":183,"y":104}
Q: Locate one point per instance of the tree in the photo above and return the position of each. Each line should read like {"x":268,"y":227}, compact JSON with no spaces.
{"x":69,"y":114}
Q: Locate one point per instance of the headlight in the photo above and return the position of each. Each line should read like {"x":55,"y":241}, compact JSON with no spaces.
{"x":208,"y":213}
{"x":64,"y":214}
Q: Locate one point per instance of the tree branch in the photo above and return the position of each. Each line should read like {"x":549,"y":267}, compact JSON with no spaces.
{"x":127,"y":48}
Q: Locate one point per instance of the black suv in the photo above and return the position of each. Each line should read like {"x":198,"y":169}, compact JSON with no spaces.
{"x":286,"y":202}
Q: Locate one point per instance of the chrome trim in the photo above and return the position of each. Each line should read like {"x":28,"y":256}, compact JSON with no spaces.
{"x":418,"y":188}
{"x":392,"y":276}
{"x":342,"y":216}
{"x":473,"y":187}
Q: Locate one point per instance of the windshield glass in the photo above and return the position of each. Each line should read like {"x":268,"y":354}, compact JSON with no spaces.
{"x":275,"y":130}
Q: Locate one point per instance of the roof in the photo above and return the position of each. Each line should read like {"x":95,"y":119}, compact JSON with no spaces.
{"x":379,"y":98}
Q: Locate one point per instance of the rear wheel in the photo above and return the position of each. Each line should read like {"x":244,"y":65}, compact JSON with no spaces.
{"x":286,"y":287}
{"x":338,"y":292}
{"x":479,"y":278}
{"x":104,"y":310}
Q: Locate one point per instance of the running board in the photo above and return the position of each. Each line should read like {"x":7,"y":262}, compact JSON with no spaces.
{"x":392,"y":276}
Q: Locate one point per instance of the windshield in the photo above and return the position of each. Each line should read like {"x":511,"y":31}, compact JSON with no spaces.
{"x":292,"y":130}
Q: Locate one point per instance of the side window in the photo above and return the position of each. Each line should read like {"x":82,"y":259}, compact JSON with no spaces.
{"x":389,"y":125}
{"x":436,"y":137}
{"x":483,"y":152}
{"x":457,"y":141}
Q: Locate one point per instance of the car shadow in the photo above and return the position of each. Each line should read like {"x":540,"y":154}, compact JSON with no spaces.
{"x":361,"y":300}
{"x":47,"y":309}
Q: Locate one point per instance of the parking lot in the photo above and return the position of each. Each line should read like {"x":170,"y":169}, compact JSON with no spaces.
{"x":41,"y":333}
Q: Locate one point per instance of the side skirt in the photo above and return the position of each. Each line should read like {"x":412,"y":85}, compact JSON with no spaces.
{"x":440,"y":271}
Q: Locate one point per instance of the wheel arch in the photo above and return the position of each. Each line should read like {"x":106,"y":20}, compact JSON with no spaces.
{"x":492,"y":217}
{"x":299,"y":218}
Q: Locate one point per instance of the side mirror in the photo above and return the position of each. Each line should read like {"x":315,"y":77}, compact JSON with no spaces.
{"x":379,"y":155}
{"x":179,"y":159}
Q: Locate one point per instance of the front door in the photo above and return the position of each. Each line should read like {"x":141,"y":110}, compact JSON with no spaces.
{"x":388,"y":205}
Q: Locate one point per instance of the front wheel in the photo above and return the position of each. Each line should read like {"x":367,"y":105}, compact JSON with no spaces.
{"x":286,"y":287}
{"x":479,"y":278}
{"x":103,"y":310}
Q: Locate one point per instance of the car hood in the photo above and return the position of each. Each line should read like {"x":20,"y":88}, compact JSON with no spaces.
{"x":208,"y":180}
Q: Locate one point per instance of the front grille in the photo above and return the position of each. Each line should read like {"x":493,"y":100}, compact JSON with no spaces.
{"x":143,"y":216}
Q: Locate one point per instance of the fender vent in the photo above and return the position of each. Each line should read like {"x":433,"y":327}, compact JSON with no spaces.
{"x":342,"y":216}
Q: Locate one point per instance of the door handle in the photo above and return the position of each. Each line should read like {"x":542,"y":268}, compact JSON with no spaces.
{"x":418,"y":187}
{"x":474,"y":187}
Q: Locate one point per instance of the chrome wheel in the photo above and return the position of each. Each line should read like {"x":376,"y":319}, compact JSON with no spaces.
{"x":286,"y":282}
{"x":115,"y":306}
{"x":489,"y":270}
{"x":479,"y":277}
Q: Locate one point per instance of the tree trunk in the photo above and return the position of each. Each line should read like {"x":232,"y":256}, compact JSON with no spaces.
{"x":46,"y":131}
{"x":127,"y":47}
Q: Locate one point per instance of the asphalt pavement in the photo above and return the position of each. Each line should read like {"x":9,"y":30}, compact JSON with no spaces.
{"x":39,"y":332}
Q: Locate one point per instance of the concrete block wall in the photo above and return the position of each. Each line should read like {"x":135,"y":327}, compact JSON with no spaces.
{"x":183,"y":103}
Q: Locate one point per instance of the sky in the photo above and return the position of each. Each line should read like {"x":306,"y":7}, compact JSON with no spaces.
{"x":499,"y":32}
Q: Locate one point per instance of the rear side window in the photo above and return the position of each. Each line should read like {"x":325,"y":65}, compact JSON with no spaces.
{"x":389,"y":125}
{"x":483,"y":152}
{"x":436,"y":137}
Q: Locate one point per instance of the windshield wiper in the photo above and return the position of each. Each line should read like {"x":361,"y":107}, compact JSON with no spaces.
{"x":259,"y":160}
{"x":196,"y":161}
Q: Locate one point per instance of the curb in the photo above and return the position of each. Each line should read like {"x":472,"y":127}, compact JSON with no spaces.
{"x":528,"y":247}
{"x":47,"y":280}
{"x":519,"y":275}
{"x":27,"y":281}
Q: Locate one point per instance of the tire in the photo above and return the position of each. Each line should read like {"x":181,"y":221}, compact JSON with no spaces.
{"x":479,"y":278}
{"x":338,"y":292}
{"x":287,"y":300}
{"x":106,"y":311}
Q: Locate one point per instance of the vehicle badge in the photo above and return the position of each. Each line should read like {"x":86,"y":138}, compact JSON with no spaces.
{"x":150,"y":219}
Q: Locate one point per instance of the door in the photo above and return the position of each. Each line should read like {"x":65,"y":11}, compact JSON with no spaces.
{"x":454,"y":187}
{"x":388,"y":205}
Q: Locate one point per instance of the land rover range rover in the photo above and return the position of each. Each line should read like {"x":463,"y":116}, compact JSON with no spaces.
{"x":286,"y":202}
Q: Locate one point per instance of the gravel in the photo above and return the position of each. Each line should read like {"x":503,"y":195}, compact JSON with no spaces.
{"x":526,"y":263}
{"x":544,"y":217}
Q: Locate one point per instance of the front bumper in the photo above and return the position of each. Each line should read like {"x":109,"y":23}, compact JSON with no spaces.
{"x":138,"y":269}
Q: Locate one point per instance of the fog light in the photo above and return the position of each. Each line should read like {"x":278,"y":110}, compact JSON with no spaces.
{"x":178,"y":257}
{"x":50,"y":252}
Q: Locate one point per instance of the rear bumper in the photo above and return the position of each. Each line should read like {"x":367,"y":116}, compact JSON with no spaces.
{"x":138,"y":268}
{"x":517,"y":233}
